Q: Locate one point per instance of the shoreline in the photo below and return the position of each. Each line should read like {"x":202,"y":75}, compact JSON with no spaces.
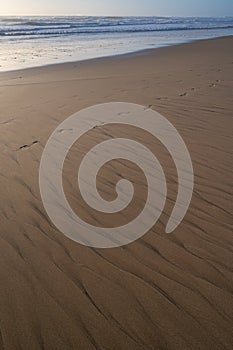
{"x":116,"y":56}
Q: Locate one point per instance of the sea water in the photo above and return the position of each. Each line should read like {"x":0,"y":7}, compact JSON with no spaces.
{"x":35,"y":41}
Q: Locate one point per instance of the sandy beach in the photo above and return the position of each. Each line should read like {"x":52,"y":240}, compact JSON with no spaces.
{"x":162,"y":292}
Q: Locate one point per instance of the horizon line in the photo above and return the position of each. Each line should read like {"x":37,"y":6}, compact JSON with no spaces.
{"x":105,"y":15}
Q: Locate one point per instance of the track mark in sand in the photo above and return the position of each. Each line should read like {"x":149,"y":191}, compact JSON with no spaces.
{"x":64,"y":130}
{"x":122,"y":114}
{"x":28,"y":146}
{"x":149,"y":107}
{"x":7,"y":121}
{"x":62,"y":106}
{"x":162,"y":98}
{"x":97,"y":126}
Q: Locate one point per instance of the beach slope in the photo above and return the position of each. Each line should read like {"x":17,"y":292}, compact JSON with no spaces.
{"x":163,"y":291}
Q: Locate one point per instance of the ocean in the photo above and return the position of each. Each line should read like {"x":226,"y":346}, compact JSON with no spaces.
{"x":35,"y":41}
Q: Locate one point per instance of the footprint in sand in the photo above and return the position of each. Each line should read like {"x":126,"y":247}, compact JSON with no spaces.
{"x":161,"y":98}
{"x":28,"y":146}
{"x":64,"y":130}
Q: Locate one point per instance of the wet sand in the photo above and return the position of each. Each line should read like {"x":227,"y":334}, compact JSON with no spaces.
{"x":160,"y":292}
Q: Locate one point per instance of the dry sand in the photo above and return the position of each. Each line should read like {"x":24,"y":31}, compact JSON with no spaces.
{"x":161,"y":292}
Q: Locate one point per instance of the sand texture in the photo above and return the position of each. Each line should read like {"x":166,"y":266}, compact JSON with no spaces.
{"x":162,"y":292}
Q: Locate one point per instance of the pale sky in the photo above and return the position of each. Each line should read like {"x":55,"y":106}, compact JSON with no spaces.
{"x":118,"y":7}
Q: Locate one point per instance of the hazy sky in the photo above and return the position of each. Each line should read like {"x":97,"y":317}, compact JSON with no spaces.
{"x":118,"y":7}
